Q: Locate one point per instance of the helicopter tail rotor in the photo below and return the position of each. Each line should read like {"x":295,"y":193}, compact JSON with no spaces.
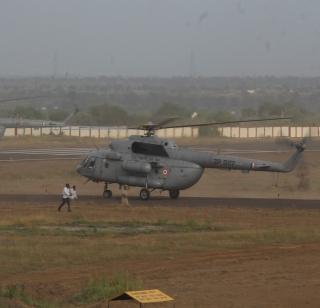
{"x":289,"y":143}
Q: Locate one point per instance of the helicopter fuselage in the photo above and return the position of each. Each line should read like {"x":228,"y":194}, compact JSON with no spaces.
{"x":152,"y":162}
{"x":140,"y":170}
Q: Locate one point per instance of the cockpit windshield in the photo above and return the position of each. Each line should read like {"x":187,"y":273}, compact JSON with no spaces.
{"x":89,"y":162}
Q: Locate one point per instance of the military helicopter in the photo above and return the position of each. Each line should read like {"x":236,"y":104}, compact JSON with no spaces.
{"x":154,"y":163}
{"x":15,"y":123}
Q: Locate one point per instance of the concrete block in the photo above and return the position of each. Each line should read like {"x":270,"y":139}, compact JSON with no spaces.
{"x":314,"y":131}
{"x":252,"y":132}
{"x":268,"y":132}
{"x":260,"y":132}
{"x":243,"y":132}
{"x":235,"y":132}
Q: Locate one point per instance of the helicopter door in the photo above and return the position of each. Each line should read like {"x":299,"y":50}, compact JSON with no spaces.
{"x":98,"y":168}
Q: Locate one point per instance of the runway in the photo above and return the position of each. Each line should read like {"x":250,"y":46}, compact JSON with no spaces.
{"x":237,"y":148}
{"x":156,"y":201}
{"x":34,"y":154}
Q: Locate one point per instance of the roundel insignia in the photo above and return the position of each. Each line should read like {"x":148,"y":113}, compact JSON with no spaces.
{"x":165,"y":171}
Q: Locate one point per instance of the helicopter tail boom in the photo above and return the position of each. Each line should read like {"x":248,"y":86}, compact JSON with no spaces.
{"x":209,"y":160}
{"x":288,"y":166}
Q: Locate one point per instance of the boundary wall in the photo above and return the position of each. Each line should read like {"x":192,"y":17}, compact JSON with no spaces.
{"x":186,"y":132}
{"x":99,"y":132}
{"x":270,"y":131}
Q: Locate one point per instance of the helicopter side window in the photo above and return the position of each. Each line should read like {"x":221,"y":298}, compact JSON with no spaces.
{"x":149,"y":149}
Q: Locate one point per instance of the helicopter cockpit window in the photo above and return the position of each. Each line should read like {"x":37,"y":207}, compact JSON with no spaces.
{"x":85,"y":162}
{"x":149,"y":149}
{"x":91,"y":163}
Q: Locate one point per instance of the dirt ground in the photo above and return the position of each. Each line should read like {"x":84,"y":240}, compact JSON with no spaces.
{"x":232,"y":240}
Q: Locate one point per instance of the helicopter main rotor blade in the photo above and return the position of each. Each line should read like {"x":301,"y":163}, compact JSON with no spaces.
{"x":226,"y":122}
{"x":167,"y":121}
{"x":7,"y":100}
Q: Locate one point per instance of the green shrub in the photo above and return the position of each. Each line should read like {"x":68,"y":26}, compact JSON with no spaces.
{"x":103,"y":288}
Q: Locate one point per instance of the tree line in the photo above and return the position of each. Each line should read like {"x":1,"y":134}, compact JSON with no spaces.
{"x":113,"y":115}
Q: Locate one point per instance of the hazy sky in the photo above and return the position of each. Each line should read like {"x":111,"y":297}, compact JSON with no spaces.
{"x":160,"y":37}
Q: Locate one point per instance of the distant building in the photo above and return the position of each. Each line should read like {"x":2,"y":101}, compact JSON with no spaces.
{"x":251,"y":91}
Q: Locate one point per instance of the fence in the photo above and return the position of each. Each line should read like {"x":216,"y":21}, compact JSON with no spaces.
{"x":273,"y":131}
{"x":188,"y":132}
{"x":99,"y":132}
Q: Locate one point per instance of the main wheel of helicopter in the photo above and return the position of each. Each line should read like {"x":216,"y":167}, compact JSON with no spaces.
{"x":144,"y":194}
{"x":107,"y":194}
{"x":174,"y":194}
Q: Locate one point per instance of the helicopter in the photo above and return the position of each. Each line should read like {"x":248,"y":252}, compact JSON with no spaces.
{"x":15,"y":123}
{"x":155,"y":163}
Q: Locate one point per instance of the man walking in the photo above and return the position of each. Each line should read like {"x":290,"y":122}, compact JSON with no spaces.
{"x":66,"y":195}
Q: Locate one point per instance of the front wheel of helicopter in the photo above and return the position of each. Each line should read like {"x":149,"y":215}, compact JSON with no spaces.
{"x":107,"y":194}
{"x":144,"y":194}
{"x":174,"y":194}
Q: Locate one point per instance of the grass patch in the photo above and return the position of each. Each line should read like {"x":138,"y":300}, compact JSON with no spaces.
{"x":94,"y":291}
{"x":20,"y":253}
{"x":135,"y":227}
{"x":18,"y":292}
{"x":286,"y":236}
{"x":248,"y":238}
{"x":97,"y":290}
{"x":84,"y":228}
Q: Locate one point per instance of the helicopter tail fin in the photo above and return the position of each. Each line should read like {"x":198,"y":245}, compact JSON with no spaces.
{"x":294,"y":160}
{"x":70,"y":116}
{"x":2,"y":131}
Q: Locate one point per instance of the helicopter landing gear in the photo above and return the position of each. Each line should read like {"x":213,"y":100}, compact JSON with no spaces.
{"x":174,"y":194}
{"x":107,"y":193}
{"x":144,"y":194}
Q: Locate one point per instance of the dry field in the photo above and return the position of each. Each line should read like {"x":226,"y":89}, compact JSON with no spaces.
{"x":205,"y":254}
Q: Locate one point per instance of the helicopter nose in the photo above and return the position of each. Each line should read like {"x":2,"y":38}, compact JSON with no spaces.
{"x":79,"y":168}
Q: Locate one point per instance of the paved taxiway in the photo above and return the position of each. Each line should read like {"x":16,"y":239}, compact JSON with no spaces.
{"x":230,"y":148}
{"x":201,"y":202}
{"x":43,"y":154}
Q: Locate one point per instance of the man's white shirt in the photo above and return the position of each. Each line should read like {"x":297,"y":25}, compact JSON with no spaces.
{"x":74,"y":195}
{"x":66,"y":193}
